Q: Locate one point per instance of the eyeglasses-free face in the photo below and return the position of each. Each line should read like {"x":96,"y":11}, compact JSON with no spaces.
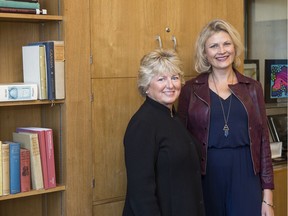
{"x":165,"y":89}
{"x":220,"y":50}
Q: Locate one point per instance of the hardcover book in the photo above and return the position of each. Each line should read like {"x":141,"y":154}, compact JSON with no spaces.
{"x":18,"y":92}
{"x":30,"y":141}
{"x":14,"y":160}
{"x":50,"y":66}
{"x":25,"y":170}
{"x":59,"y":59}
{"x":34,"y":68}
{"x":19,"y":4}
{"x":20,"y":10}
{"x":45,"y":139}
{"x":5,"y":168}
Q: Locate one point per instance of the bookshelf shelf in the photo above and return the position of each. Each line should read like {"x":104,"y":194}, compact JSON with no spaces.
{"x":37,"y":102}
{"x":33,"y":193}
{"x":29,"y":17}
{"x":275,"y":105}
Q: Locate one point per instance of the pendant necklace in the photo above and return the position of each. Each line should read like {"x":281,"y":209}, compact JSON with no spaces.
{"x":225,"y":128}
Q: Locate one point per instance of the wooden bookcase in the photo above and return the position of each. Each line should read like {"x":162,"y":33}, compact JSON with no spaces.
{"x":17,"y":30}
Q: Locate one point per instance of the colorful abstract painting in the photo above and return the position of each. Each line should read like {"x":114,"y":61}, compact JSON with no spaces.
{"x":276,"y":80}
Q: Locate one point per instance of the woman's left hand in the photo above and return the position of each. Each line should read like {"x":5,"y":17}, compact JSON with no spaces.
{"x":267,"y":203}
{"x":267,"y":210}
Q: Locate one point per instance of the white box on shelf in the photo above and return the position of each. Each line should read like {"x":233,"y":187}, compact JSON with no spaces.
{"x":276,"y":149}
{"x":18,"y":91}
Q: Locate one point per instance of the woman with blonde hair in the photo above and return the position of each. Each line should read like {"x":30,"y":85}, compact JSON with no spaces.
{"x":162,"y":162}
{"x":225,"y":111}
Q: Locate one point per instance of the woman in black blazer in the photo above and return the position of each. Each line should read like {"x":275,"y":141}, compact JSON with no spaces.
{"x":162,"y":161}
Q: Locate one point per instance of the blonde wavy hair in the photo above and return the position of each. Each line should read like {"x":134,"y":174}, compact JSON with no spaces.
{"x":215,"y":26}
{"x":155,"y":63}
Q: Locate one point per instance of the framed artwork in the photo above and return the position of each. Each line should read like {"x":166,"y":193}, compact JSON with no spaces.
{"x":251,"y":68}
{"x":276,"y":80}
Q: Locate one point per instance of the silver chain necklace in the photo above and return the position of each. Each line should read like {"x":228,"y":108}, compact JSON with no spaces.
{"x":225,"y":128}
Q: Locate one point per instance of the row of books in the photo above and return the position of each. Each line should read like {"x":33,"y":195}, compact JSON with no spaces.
{"x":43,"y":73}
{"x":27,"y":162}
{"x":21,"y":6}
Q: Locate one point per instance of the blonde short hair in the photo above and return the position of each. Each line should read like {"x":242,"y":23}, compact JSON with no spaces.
{"x":158,"y":62}
{"x":214,"y":26}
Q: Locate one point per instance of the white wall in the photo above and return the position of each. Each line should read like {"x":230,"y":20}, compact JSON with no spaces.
{"x":266,"y":31}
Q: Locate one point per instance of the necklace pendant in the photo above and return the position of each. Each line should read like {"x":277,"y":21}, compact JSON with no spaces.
{"x":226,"y":130}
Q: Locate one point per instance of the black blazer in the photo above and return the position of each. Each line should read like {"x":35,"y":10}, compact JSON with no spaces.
{"x":163,"y":165}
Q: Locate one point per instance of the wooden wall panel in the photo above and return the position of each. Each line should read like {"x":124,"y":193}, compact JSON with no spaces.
{"x":131,"y":33}
{"x":77,"y":109}
{"x":115,"y":100}
{"x":121,"y":32}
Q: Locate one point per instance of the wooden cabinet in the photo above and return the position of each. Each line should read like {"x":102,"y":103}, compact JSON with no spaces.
{"x":17,"y":30}
{"x":280,"y":192}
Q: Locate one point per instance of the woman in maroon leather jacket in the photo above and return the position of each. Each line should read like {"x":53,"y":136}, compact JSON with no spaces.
{"x":225,"y":111}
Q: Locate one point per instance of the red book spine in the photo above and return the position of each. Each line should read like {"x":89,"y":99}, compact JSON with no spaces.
{"x":25,"y":170}
{"x":50,"y":158}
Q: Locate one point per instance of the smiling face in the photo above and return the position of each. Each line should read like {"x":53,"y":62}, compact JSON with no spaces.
{"x":220,"y":51}
{"x":165,"y":89}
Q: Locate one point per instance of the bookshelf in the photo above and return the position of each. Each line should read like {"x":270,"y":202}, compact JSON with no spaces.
{"x":18,"y":30}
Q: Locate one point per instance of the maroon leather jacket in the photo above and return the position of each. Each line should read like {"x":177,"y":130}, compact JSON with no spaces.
{"x":194,"y":109}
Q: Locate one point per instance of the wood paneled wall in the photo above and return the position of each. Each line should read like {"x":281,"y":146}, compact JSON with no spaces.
{"x":77,"y":109}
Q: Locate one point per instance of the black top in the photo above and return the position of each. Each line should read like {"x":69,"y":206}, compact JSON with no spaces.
{"x":163,"y":167}
{"x":237,"y":123}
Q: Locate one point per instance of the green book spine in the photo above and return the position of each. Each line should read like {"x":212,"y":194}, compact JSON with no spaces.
{"x":17,"y":4}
